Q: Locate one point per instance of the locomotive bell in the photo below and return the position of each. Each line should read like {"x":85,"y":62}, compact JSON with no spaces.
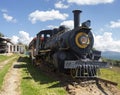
{"x":76,"y":18}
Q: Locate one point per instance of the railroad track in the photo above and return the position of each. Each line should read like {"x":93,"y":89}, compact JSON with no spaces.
{"x":96,"y":80}
{"x":91,"y":86}
{"x":106,"y":81}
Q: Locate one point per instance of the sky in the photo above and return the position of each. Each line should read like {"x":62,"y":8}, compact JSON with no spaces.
{"x":21,"y":20}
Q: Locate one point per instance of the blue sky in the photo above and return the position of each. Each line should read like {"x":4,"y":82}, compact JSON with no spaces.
{"x":21,"y":20}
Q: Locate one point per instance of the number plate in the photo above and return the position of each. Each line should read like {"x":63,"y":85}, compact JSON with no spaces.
{"x":71,"y":64}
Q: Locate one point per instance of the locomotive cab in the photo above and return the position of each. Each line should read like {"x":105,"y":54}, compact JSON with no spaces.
{"x":42,"y":37}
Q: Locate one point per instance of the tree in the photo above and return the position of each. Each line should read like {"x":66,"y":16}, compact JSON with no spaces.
{"x":1,"y":35}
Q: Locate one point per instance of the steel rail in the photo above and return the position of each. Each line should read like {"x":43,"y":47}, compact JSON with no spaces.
{"x":106,"y":81}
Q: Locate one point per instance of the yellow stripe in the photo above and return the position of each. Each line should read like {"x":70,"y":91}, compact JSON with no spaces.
{"x":77,"y":40}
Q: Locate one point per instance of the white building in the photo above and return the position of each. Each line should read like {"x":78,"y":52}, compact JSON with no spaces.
{"x":6,"y":46}
{"x":18,"y":48}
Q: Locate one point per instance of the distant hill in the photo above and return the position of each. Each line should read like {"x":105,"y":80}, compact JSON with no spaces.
{"x":111,"y":55}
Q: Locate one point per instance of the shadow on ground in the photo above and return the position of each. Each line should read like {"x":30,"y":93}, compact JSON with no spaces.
{"x":36,"y":74}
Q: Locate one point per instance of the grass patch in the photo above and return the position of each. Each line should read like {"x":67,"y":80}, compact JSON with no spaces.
{"x":34,"y":82}
{"x":4,"y":57}
{"x":111,"y":74}
{"x":4,"y":70}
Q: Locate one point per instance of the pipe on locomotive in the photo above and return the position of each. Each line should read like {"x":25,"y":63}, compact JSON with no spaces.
{"x":76,"y":18}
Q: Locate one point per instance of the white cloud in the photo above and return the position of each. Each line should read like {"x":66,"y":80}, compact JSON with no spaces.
{"x":46,"y":15}
{"x":14,"y":39}
{"x":9,"y":18}
{"x":61,"y":5}
{"x":115,"y":24}
{"x":52,"y":26}
{"x":106,"y":42}
{"x":90,"y":2}
{"x":23,"y":37}
{"x":68,"y":23}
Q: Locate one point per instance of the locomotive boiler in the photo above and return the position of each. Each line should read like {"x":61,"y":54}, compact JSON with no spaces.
{"x":68,"y":51}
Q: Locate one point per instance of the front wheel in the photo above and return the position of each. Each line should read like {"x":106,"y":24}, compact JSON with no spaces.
{"x":73,"y":72}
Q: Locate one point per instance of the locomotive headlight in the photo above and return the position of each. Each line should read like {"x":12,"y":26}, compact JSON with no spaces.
{"x":82,"y":40}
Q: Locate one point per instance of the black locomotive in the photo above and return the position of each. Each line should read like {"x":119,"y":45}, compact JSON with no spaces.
{"x":68,"y":51}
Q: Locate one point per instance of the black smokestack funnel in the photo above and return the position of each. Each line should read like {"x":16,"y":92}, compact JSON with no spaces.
{"x":76,"y":18}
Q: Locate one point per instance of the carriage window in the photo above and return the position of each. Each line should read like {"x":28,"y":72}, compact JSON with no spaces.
{"x":48,"y":35}
{"x":42,"y":35}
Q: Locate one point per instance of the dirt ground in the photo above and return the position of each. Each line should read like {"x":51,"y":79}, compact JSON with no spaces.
{"x":2,"y":64}
{"x":11,"y":82}
{"x":93,"y":89}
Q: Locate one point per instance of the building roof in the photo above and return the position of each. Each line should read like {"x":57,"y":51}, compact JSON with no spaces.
{"x":5,"y":39}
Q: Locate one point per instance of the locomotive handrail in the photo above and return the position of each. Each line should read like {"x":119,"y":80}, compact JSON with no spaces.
{"x":48,"y":50}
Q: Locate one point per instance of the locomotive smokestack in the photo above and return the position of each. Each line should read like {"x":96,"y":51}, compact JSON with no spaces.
{"x":76,"y":18}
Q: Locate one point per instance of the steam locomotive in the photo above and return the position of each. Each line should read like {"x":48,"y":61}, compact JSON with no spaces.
{"x":68,"y":51}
